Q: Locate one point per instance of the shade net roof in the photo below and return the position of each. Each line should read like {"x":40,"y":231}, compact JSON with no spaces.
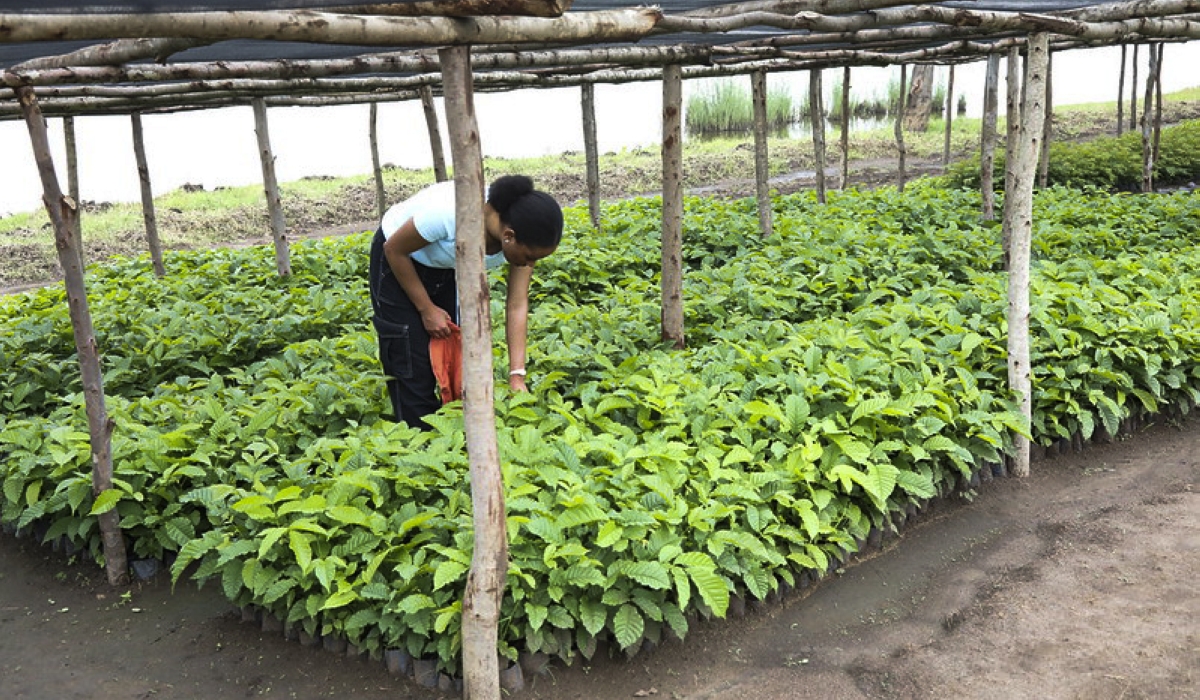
{"x":757,"y":34}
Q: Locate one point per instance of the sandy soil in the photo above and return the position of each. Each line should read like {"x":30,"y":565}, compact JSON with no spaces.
{"x":1077,"y":582}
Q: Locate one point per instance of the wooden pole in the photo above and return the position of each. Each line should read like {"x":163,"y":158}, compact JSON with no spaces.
{"x":1133,"y":86}
{"x":72,"y":149}
{"x":1158,"y":102}
{"x":762,"y":189}
{"x":484,"y":591}
{"x":1012,"y":133}
{"x":591,"y":151}
{"x":435,"y":133}
{"x":987,"y":140}
{"x":1148,"y":120}
{"x":817,"y":112}
{"x":62,"y":212}
{"x":381,"y":203}
{"x":1018,"y":216}
{"x":949,"y":118}
{"x":900,"y":174}
{"x":1048,"y":125}
{"x":148,"y":215}
{"x":1121,"y":94}
{"x":672,"y":216}
{"x":271,"y":188}
{"x":845,"y":126}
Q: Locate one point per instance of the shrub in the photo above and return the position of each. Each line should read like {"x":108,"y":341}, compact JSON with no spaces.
{"x":1112,"y":163}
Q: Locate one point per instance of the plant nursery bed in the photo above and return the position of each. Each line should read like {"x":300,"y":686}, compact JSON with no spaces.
{"x":1077,"y":582}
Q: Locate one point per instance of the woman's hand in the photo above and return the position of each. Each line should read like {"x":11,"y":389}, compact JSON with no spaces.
{"x":437,"y":322}
{"x":516,"y":382}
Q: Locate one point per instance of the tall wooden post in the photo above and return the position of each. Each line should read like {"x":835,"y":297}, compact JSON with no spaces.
{"x":591,"y":151}
{"x":901,"y":176}
{"x":817,"y":112}
{"x":1148,"y":121}
{"x":1018,"y":218}
{"x":283,"y":261}
{"x":1158,"y":101}
{"x":672,"y":215}
{"x":1043,"y":173}
{"x":762,"y":174}
{"x":148,"y":215}
{"x":1013,"y":130}
{"x":1121,"y":94}
{"x":987,"y":140}
{"x":72,"y":151}
{"x":435,"y":133}
{"x":62,"y":212}
{"x":845,"y":126}
{"x":949,"y":118}
{"x":1133,"y":86}
{"x":381,"y":203}
{"x":489,"y":561}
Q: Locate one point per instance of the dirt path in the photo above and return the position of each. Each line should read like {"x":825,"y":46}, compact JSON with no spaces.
{"x":1078,"y":582}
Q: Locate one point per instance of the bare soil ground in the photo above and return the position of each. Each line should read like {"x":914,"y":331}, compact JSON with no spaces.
{"x":1077,"y":583}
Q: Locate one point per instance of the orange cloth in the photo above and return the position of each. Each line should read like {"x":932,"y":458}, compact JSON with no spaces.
{"x":445,"y":354}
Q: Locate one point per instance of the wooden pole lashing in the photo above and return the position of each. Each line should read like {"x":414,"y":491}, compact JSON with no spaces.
{"x":484,"y":591}
{"x":1018,"y":217}
{"x":271,"y":188}
{"x":381,"y":203}
{"x":435,"y":133}
{"x":672,"y":216}
{"x":149,"y":218}
{"x":762,"y":189}
{"x":817,"y":113}
{"x":62,"y":212}
{"x":591,"y":151}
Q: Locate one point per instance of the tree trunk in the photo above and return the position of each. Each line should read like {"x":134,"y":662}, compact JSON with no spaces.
{"x":1121,"y":94}
{"x":61,"y":211}
{"x":817,"y":112}
{"x":919,"y":105}
{"x":901,"y":176}
{"x":1013,"y":130}
{"x":987,"y":140}
{"x":148,"y":215}
{"x":672,"y":216}
{"x":271,"y":188}
{"x":435,"y":133}
{"x":949,"y":118}
{"x":591,"y":151}
{"x":845,"y":126}
{"x":762,"y":187}
{"x":1148,"y":120}
{"x":489,"y":563}
{"x":1018,"y":216}
{"x":381,"y":203}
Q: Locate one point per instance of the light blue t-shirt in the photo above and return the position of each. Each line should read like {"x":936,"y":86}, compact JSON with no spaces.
{"x":432,"y":212}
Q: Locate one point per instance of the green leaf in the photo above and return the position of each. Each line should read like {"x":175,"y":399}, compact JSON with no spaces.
{"x":593,"y":615}
{"x":628,"y":626}
{"x":301,"y":547}
{"x":447,"y":572}
{"x":106,"y":501}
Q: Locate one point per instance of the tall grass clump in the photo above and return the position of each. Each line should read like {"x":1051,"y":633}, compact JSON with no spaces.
{"x":726,"y":107}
